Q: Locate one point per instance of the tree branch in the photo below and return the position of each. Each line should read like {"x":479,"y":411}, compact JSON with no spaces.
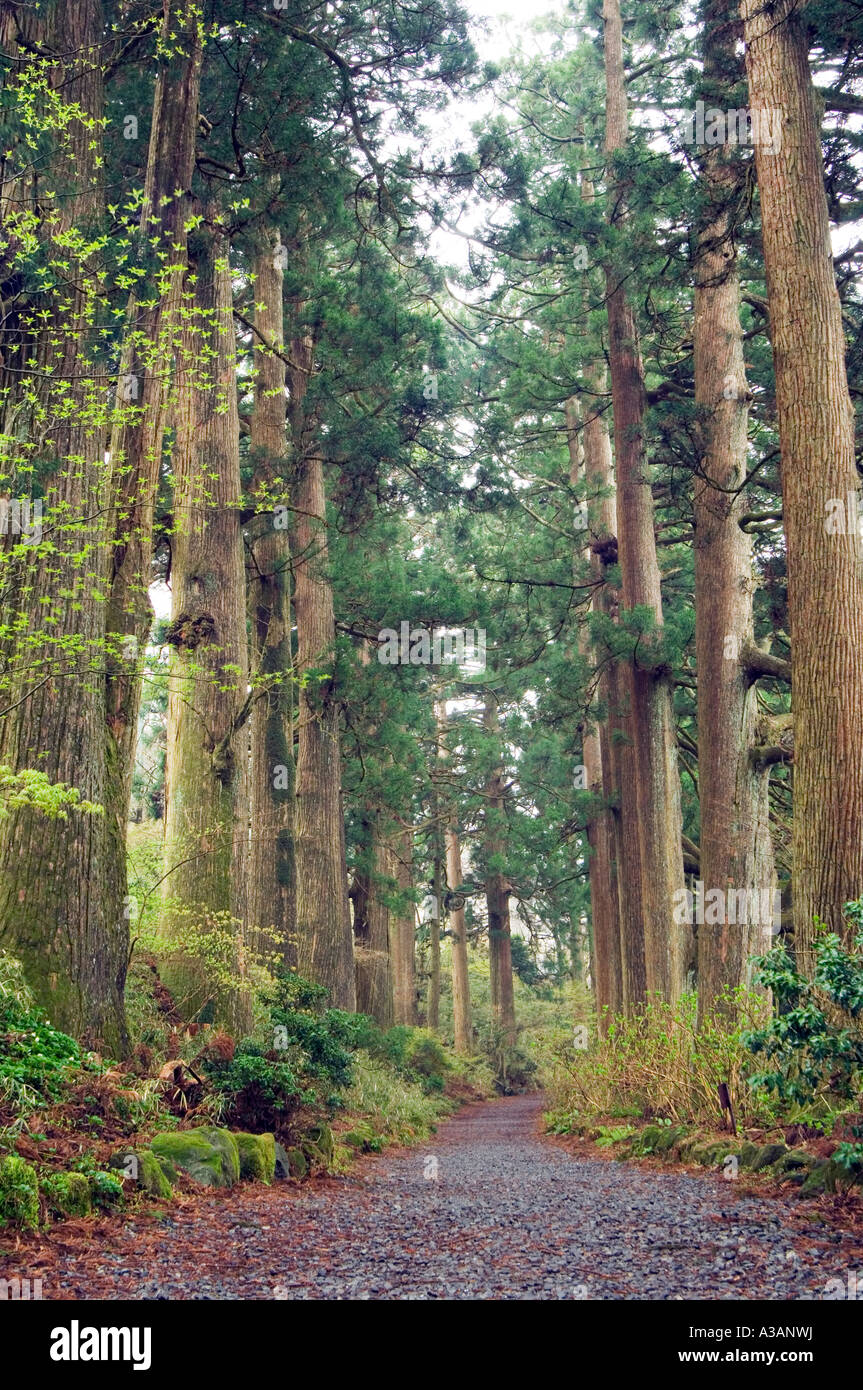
{"x":757,"y":663}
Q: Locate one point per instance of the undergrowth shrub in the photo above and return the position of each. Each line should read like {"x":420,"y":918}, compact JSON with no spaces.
{"x":514,"y":1071}
{"x":811,"y":1051}
{"x":813,"y":1046}
{"x":303,"y":1063}
{"x":656,"y":1064}
{"x":35,"y":1057}
{"x":417,"y":1053}
{"x":394,"y":1108}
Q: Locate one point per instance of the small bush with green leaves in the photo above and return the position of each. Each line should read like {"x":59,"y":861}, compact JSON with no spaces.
{"x":259,"y":1093}
{"x":19,"y":1193}
{"x":33,"y":1053}
{"x":813,"y":1046}
{"x":304,"y":1064}
{"x":106,"y":1190}
{"x":425,"y":1056}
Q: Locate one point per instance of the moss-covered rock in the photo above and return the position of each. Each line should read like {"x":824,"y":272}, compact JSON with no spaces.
{"x":170,"y":1171}
{"x":224,"y":1141}
{"x":361,"y":1137}
{"x":648,"y":1139}
{"x":297,"y":1164}
{"x":283,"y":1163}
{"x":19,"y":1193}
{"x":709,"y":1155}
{"x":313,"y":1156}
{"x":318,"y":1146}
{"x":748,"y":1152}
{"x":67,"y":1194}
{"x":687,"y":1146}
{"x":322,"y":1138}
{"x":151,"y":1176}
{"x":144,"y":1168}
{"x":106,"y":1190}
{"x":668,"y":1139}
{"x":823,"y":1176}
{"x":257,"y":1157}
{"x":767,"y":1155}
{"x":269,"y":1143}
{"x":209,"y":1156}
{"x":794,"y":1165}
{"x":722,"y":1149}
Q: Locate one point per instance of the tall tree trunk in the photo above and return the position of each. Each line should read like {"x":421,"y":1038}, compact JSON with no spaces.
{"x":666,"y":944}
{"x":55,"y":912}
{"x":602,"y":867}
{"x":616,"y":735}
{"x":152,"y":338}
{"x":463,"y":1031}
{"x":736,"y":850}
{"x":207,"y":819}
{"x":372,"y":924}
{"x":438,"y":891}
{"x":325,"y":940}
{"x":496,"y":887}
{"x":816,"y":432}
{"x":403,"y":934}
{"x":272,"y":860}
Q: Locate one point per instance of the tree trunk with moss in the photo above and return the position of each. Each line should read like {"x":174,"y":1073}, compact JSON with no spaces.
{"x":595,"y":469}
{"x":496,"y":887}
{"x":145,"y":397}
{"x":373,"y":880}
{"x":462,"y":1028}
{"x":272,"y":793}
{"x":438,"y":850}
{"x":403,"y":932}
{"x":56,"y":914}
{"x":206,"y":774}
{"x":324,"y":933}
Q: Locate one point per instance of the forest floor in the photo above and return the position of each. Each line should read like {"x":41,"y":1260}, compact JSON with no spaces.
{"x":488,"y":1209}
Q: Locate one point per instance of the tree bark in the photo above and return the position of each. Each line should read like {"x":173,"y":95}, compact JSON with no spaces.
{"x":438,"y":890}
{"x":272,"y":860}
{"x":648,"y":683}
{"x":144,"y":399}
{"x":735,"y":849}
{"x":372,"y":924}
{"x":463,"y":1031}
{"x":403,"y":934}
{"x":56,"y":914}
{"x":816,"y":431}
{"x":593,"y":459}
{"x":324,"y":933}
{"x":206,"y":823}
{"x":496,"y":887}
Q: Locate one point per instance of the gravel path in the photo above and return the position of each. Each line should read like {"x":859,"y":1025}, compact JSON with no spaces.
{"x":487,"y":1210}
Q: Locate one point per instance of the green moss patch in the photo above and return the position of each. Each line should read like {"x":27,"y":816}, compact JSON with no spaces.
{"x":19,"y":1193}
{"x":143,"y":1167}
{"x":257,"y":1156}
{"x":209,"y":1156}
{"x":67,"y":1194}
